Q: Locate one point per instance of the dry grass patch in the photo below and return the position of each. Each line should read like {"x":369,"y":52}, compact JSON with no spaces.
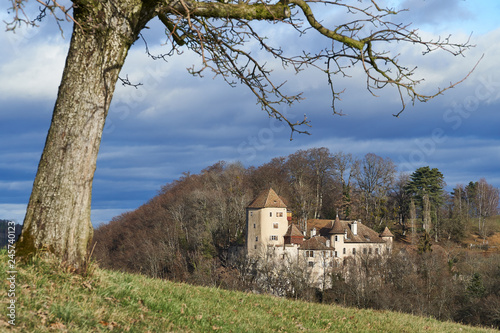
{"x":50,"y":299}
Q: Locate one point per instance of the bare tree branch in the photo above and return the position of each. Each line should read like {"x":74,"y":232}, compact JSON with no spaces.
{"x":219,"y":32}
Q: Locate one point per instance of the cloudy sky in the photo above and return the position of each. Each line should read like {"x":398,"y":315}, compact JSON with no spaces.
{"x":176,"y":123}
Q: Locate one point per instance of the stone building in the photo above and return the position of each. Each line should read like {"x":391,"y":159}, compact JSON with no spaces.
{"x":326,"y":243}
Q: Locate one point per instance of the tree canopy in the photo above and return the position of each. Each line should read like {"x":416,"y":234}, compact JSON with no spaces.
{"x":426,"y":181}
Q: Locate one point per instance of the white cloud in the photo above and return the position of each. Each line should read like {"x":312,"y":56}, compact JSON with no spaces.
{"x":175,"y":122}
{"x":15,"y":185}
{"x":14,"y":212}
{"x":25,"y":76}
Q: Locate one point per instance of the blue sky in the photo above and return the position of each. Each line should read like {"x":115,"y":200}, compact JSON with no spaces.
{"x":176,"y":123}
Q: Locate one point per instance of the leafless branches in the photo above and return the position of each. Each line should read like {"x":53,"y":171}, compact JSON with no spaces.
{"x":222,"y":33}
{"x":365,"y":41}
{"x":126,"y":82}
{"x":54,"y":7}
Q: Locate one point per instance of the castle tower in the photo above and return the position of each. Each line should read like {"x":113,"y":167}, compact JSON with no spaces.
{"x":267,"y":222}
{"x":337,"y":237}
{"x":388,"y":237}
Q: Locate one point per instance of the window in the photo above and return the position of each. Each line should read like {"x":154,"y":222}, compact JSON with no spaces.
{"x":365,"y":250}
{"x":335,"y":254}
{"x":376,"y":250}
{"x":273,"y":238}
{"x":251,"y":213}
{"x":255,"y":247}
{"x":279,"y":214}
{"x":310,"y":254}
{"x":270,"y":214}
{"x":370,"y":250}
{"x":257,"y":238}
{"x":336,"y":238}
{"x":354,"y":251}
{"x":254,"y":225}
{"x":311,"y":263}
{"x":344,"y":252}
{"x":275,"y":225}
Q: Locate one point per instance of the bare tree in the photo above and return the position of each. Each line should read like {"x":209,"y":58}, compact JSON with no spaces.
{"x":346,"y":168}
{"x":301,"y":181}
{"x":220,"y":32}
{"x":321,"y":163}
{"x":375,"y":178}
{"x":426,"y":213}
{"x":401,"y":200}
{"x":413,"y":221}
{"x":487,"y":197}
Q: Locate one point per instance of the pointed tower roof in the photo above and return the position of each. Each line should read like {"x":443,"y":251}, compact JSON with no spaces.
{"x":293,"y":231}
{"x":337,"y":226}
{"x":267,"y":199}
{"x":386,"y":233}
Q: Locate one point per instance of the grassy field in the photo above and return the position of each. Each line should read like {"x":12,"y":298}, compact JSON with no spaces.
{"x":50,"y":299}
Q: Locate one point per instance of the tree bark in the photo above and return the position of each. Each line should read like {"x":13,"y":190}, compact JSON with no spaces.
{"x":58,"y":214}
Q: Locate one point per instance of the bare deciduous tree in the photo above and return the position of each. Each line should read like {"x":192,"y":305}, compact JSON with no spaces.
{"x":346,"y":167}
{"x":487,"y":197}
{"x":220,"y":32}
{"x":375,"y":178}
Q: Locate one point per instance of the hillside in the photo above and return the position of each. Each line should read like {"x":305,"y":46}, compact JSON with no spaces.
{"x":50,"y":299}
{"x":491,"y":243}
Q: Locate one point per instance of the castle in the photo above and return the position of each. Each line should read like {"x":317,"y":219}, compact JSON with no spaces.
{"x":270,"y":234}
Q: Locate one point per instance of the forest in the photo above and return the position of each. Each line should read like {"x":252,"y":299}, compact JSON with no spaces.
{"x":189,"y":230}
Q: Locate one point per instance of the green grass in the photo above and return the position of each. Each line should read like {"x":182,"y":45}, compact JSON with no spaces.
{"x":51,"y":299}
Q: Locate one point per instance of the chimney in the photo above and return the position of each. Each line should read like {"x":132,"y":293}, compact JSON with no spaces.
{"x":313,"y":232}
{"x":354,"y":228}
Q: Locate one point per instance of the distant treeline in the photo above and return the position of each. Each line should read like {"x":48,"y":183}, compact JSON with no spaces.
{"x":186,"y":232}
{"x":4,"y":232}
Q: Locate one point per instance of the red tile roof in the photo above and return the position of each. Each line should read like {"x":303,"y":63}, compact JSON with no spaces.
{"x":329,"y":227}
{"x":315,"y":243}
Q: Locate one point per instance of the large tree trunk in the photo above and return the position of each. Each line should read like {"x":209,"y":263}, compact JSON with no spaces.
{"x":58,"y":214}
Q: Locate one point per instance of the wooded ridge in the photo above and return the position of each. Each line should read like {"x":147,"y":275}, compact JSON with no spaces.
{"x":187,"y":233}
